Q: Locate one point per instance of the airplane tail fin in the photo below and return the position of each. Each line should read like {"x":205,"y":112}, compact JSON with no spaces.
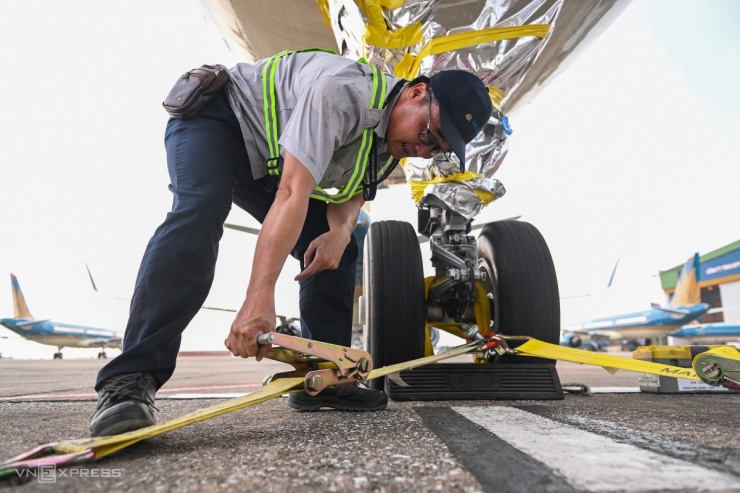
{"x":20,"y":307}
{"x":687,"y":288}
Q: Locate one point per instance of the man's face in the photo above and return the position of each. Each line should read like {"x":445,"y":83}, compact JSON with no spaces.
{"x":409,"y":118}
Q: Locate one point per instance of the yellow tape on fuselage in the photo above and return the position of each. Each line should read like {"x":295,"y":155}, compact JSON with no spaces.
{"x":418,"y":187}
{"x":408,"y":67}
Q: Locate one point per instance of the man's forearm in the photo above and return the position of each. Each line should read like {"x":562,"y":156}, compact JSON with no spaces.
{"x":282,"y":226}
{"x":343,"y":217}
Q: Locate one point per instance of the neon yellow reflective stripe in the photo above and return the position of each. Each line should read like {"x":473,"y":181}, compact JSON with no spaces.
{"x":348,"y":191}
{"x":352,"y":187}
{"x":270,"y":110}
{"x":387,"y":163}
{"x":377,"y":100}
{"x":269,"y":95}
{"x":378,"y":96}
{"x":268,"y":92}
{"x":273,"y":124}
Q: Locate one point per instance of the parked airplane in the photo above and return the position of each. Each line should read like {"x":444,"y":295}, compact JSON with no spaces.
{"x":711,"y":333}
{"x":54,"y":333}
{"x":657,"y":322}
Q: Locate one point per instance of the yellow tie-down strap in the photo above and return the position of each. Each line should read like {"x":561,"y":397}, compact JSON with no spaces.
{"x":103,"y":446}
{"x":610,"y":363}
{"x":79,"y":451}
{"x":427,"y":360}
{"x":89,"y":449}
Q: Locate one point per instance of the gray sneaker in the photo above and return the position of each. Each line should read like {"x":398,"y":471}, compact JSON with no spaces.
{"x":125,"y":403}
{"x":352,"y":397}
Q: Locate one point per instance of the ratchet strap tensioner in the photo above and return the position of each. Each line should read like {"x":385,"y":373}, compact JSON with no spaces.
{"x":719,"y":366}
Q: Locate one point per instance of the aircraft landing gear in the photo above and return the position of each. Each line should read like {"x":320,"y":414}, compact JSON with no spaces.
{"x":503,"y":281}
{"x":58,"y":355}
{"x":102,"y":355}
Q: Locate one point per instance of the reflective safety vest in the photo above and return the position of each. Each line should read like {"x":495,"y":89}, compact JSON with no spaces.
{"x":364,"y":177}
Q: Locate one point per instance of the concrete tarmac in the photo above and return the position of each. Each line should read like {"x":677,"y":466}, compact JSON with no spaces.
{"x":411,"y":446}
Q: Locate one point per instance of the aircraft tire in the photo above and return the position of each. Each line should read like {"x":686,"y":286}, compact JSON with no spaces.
{"x":521,"y":277}
{"x":396,"y":307}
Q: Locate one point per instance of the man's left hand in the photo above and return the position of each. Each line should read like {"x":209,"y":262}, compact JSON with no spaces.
{"x":325,"y":252}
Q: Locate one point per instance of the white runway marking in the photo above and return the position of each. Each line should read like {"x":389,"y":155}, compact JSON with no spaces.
{"x":615,"y":390}
{"x":593,"y":462}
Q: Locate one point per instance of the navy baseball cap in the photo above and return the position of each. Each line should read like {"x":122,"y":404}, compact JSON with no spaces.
{"x":464,"y":107}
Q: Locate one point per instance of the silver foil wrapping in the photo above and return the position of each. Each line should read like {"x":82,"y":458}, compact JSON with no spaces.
{"x":463,"y":196}
{"x":500,"y":64}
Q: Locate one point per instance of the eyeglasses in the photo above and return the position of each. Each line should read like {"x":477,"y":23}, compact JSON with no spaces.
{"x":428,"y":139}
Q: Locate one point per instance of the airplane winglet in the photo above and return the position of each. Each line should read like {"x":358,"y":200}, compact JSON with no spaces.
{"x":243,"y":229}
{"x":614,"y":271}
{"x":95,"y":288}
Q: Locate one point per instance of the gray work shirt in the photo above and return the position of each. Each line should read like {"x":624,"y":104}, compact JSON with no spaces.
{"x":322,"y":106}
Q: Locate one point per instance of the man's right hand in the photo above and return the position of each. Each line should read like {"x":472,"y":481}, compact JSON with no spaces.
{"x":279,"y":232}
{"x":249,"y":323}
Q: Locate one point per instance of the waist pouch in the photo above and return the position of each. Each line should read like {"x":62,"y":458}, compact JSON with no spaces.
{"x":194,"y":89}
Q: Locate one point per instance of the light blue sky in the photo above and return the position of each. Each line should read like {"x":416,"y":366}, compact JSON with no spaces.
{"x":631,"y":153}
{"x":695,"y":36}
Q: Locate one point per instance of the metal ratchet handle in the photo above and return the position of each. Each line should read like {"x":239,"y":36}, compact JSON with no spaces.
{"x":265,"y":338}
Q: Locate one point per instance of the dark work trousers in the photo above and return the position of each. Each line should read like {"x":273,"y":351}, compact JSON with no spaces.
{"x":209,"y":169}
